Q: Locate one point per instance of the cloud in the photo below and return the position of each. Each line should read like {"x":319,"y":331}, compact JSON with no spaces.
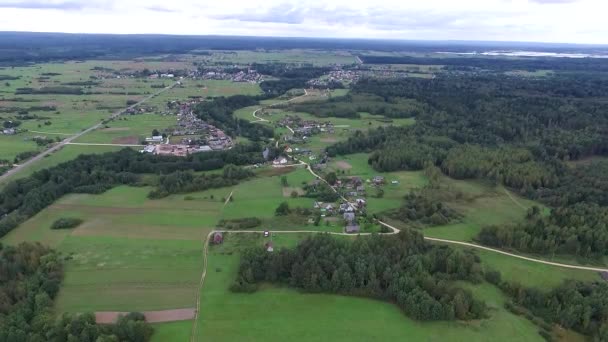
{"x":160,"y":9}
{"x":553,"y":1}
{"x":528,"y":20}
{"x":63,"y":5}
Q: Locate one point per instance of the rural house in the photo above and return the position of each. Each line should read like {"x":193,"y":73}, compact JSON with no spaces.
{"x":352,"y":229}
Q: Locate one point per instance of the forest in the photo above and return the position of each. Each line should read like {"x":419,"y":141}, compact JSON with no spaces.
{"x":350,"y":106}
{"x":495,"y":64}
{"x":521,"y":134}
{"x":421,"y":210}
{"x":218,"y":112}
{"x":184,"y":182}
{"x":418,"y":277}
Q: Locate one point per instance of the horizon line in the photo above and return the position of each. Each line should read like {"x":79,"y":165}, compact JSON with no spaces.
{"x":393,"y":40}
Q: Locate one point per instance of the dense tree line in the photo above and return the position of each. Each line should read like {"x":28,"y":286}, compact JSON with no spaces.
{"x":219,"y":112}
{"x":184,"y":181}
{"x":497,"y":64}
{"x":288,"y":77}
{"x":30,"y":275}
{"x":583,"y":183}
{"x":23,"y":198}
{"x":576,"y":305}
{"x":420,"y":209}
{"x":350,"y":106}
{"x":579,"y":229}
{"x":515,"y":132}
{"x":274,"y":88}
{"x":402,"y":269}
{"x":321,"y":192}
{"x":50,"y":90}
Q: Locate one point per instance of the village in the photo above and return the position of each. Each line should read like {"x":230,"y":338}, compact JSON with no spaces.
{"x":232,"y":73}
{"x":194,"y":134}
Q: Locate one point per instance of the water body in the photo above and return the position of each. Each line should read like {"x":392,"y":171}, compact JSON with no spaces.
{"x":530,"y":54}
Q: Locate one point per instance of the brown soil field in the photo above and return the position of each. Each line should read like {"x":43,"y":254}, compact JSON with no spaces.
{"x":107,"y":317}
{"x":329,"y":140}
{"x":342,"y":165}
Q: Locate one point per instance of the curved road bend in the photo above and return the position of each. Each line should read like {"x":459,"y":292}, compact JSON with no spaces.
{"x":68,"y":140}
{"x":259,"y":119}
{"x":468,"y":244}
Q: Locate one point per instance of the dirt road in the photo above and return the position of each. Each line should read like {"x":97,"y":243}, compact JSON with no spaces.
{"x":259,"y":119}
{"x":68,"y":140}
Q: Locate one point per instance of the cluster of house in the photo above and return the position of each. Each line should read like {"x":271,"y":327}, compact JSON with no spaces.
{"x":179,"y":150}
{"x":139,"y":110}
{"x":209,"y":137}
{"x":189,"y":124}
{"x":337,"y":75}
{"x":250,"y":76}
{"x":346,"y":209}
{"x":305,"y":128}
{"x":355,"y":186}
{"x":8,"y":131}
{"x":161,"y":75}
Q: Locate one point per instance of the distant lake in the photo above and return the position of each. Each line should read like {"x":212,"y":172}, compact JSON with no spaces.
{"x":531,"y":54}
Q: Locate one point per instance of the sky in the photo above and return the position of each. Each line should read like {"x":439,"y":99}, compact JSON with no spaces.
{"x":559,"y":21}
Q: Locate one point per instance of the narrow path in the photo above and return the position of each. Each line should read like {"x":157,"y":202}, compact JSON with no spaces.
{"x":68,"y":140}
{"x":194,"y":333}
{"x":514,"y":199}
{"x":228,"y":198}
{"x":53,"y":133}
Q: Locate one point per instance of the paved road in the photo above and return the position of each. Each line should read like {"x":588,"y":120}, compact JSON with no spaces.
{"x":66,"y":141}
{"x":99,"y":144}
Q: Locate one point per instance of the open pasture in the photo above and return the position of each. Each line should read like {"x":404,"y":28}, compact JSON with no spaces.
{"x":130,"y":253}
{"x":285,"y":56}
{"x":129,"y":129}
{"x":269,"y":314}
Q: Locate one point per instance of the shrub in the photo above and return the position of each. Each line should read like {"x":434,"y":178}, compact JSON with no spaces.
{"x":66,"y":223}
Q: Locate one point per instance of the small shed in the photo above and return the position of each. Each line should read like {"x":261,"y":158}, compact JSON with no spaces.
{"x":218,"y":238}
{"x":269,"y":247}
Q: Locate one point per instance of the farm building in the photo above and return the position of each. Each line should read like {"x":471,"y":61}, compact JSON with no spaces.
{"x":218,"y":238}
{"x":349,"y":217}
{"x":378,"y":180}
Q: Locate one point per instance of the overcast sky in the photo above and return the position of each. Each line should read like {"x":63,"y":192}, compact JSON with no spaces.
{"x":572,"y":21}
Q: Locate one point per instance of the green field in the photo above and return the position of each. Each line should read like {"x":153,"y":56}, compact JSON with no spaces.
{"x":130,"y":254}
{"x":285,"y":56}
{"x":269,"y":314}
{"x":131,"y":129}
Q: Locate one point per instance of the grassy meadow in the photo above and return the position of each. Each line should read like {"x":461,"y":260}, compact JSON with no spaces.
{"x":276,"y":313}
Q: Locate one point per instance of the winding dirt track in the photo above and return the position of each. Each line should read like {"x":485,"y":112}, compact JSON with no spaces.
{"x":259,"y":119}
